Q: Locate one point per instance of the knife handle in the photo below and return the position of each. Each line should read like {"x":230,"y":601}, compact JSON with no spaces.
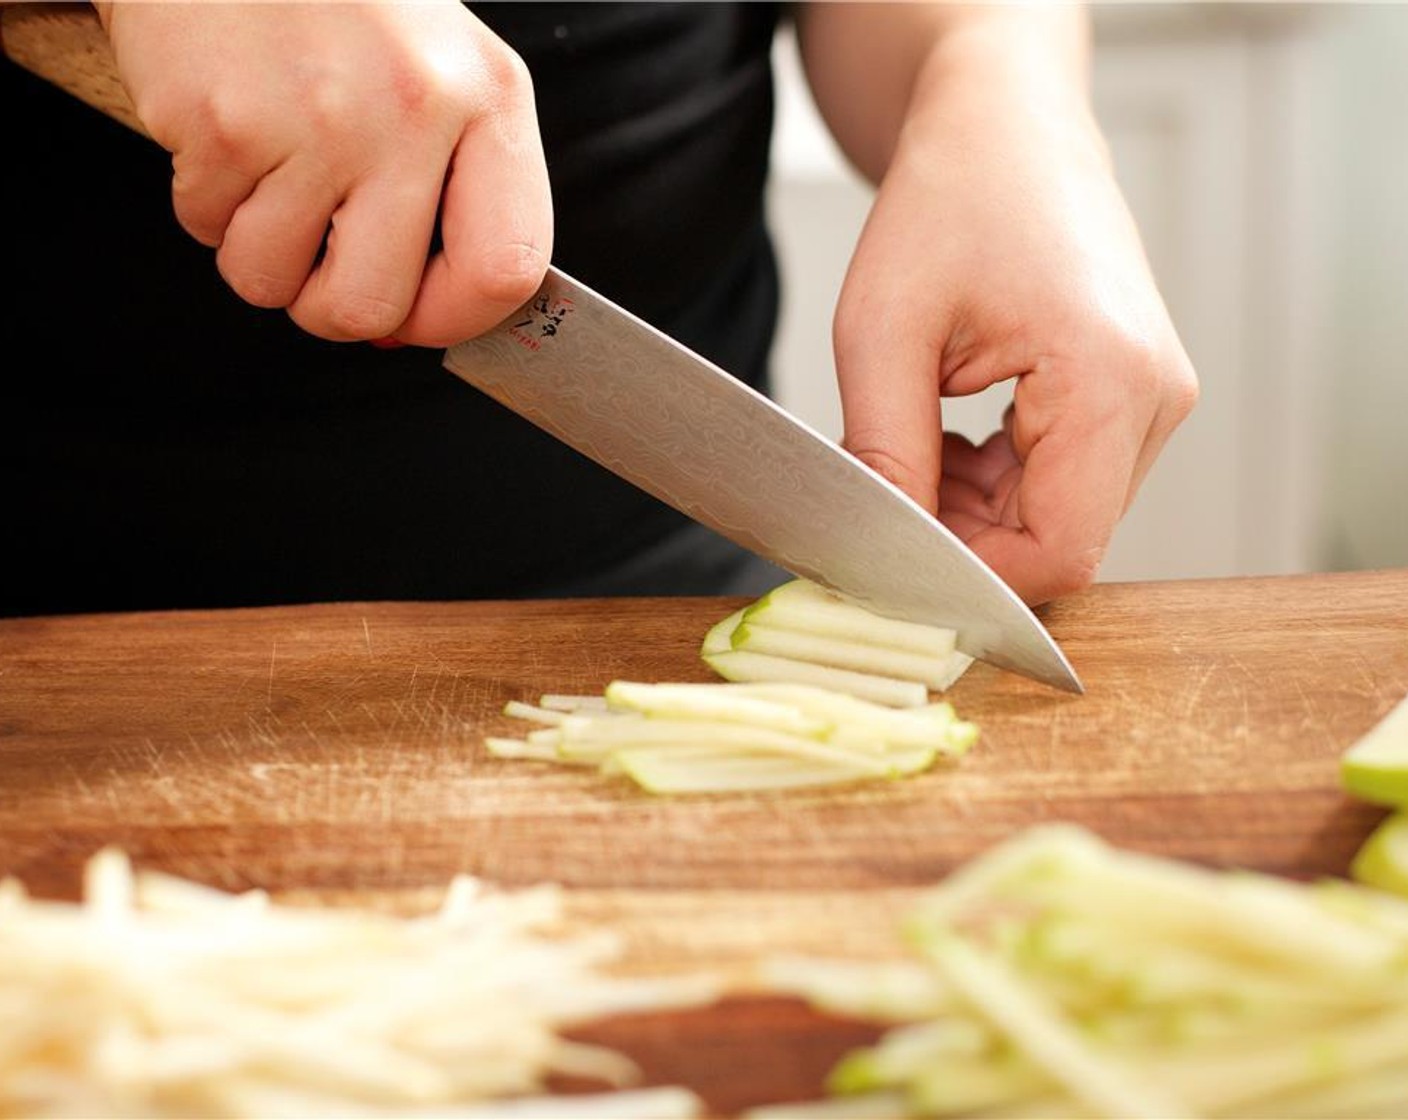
{"x":65,"y":44}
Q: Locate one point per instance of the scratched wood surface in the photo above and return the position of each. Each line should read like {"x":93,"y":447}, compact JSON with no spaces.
{"x":335,"y":752}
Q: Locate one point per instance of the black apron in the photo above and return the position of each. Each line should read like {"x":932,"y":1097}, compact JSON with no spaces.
{"x":170,"y":446}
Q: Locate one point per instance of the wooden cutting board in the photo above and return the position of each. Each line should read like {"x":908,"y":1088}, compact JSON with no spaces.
{"x":334,"y":753}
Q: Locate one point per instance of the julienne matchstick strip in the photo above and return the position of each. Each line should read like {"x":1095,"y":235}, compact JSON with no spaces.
{"x":798,"y":710}
{"x":1059,"y":975}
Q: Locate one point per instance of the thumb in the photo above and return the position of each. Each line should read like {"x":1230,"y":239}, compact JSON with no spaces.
{"x":888,"y":376}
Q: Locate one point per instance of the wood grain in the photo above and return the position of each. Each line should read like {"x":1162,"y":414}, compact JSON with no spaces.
{"x":334,"y":752}
{"x":340,"y":746}
{"x":65,"y":44}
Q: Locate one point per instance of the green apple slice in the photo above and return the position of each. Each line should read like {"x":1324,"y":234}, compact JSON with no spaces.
{"x":958,"y":1088}
{"x":856,"y":720}
{"x":839,"y":653}
{"x":896,"y":679}
{"x":604,"y":736}
{"x":1382,"y":860}
{"x":607,"y":732}
{"x":906,"y":1052}
{"x":748,"y":667}
{"x":775,"y":721}
{"x":952,"y":740}
{"x":1375,"y":768}
{"x":501,"y":747}
{"x":666,"y":770}
{"x":957,"y":664}
{"x":719,"y":639}
{"x":807,"y":606}
{"x":1050,"y":1041}
{"x":866,"y":1106}
{"x":712,"y":702}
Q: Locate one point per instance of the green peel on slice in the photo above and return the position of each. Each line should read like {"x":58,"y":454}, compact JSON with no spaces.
{"x":1376,"y":767}
{"x":842,"y":653}
{"x":802,"y":633}
{"x":710,"y":702}
{"x":719,"y":639}
{"x":748,"y":666}
{"x":819,"y":692}
{"x":808,"y":607}
{"x":1382,"y":860}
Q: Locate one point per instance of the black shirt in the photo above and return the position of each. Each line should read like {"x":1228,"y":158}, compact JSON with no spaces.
{"x":181,"y":448}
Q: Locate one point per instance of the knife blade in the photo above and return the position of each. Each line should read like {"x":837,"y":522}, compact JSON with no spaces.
{"x":679,"y":427}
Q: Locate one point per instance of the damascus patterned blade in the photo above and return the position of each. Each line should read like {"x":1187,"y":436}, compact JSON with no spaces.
{"x":640,"y":404}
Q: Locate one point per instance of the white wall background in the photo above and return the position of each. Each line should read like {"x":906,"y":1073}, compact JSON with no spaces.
{"x":1261,"y":149}
{"x":1365,"y":521}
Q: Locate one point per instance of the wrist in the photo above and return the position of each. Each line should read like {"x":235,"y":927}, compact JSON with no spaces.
{"x":1045,"y":50}
{"x":1009,"y":79}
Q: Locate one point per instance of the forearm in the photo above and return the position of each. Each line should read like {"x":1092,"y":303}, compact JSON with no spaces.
{"x":879,"y":70}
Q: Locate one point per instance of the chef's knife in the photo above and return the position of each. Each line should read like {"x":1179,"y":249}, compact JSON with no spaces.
{"x":639,"y":403}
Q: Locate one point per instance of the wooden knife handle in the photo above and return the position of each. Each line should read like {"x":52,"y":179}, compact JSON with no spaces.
{"x":65,"y":44}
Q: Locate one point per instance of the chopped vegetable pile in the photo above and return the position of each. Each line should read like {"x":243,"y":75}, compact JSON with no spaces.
{"x":709,"y":738}
{"x":818,"y":691}
{"x":156,"y":996}
{"x":1058,"y":976}
{"x":801,"y":633}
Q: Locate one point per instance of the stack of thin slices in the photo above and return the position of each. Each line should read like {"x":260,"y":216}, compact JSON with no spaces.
{"x":817,"y":690}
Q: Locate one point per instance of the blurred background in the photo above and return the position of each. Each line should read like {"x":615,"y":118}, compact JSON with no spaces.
{"x":1263,"y":150}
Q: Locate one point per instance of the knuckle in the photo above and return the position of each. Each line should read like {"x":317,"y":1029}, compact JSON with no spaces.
{"x":872,"y":453}
{"x":1081,"y":569}
{"x":511,"y":273}
{"x":505,"y":71}
{"x":1181,"y":391}
{"x":1157,"y":367}
{"x":260,"y":288}
{"x":488,"y":82}
{"x":196,"y":221}
{"x":158,"y":122}
{"x":849,"y":326}
{"x":1139,"y":354}
{"x":171,"y":113}
{"x":326,"y":107}
{"x":269,"y":291}
{"x":487,"y":78}
{"x":1073,"y":573}
{"x":225,"y":130}
{"x":421,"y":97}
{"x":360,"y":316}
